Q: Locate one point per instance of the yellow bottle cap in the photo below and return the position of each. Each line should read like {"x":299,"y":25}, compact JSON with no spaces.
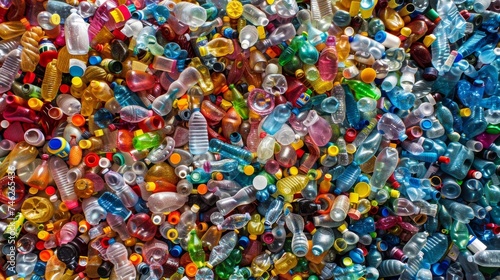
{"x":262,"y":32}
{"x":368,"y":75}
{"x":55,"y":19}
{"x":347,"y":261}
{"x":297,"y":277}
{"x":175,"y":158}
{"x":429,"y":39}
{"x":35,"y":104}
{"x":293,"y":171}
{"x":362,"y":189}
{"x":225,"y":105}
{"x":135,"y":258}
{"x":234,"y":9}
{"x":342,"y":228}
{"x":99,"y":132}
{"x":33,"y":191}
{"x":43,"y":235}
{"x":406,"y":31}
{"x":393,"y":145}
{"x":465,"y":112}
{"x":354,"y":197}
{"x":298,"y":144}
{"x":150,"y":186}
{"x":85,"y":144}
{"x":394,"y":193}
{"x":77,"y":82}
{"x":203,"y":51}
{"x":248,"y":170}
{"x":138,"y":132}
{"x":328,"y":177}
{"x":333,"y":150}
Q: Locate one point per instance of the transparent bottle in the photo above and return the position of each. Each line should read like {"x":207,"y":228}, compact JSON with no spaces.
{"x":322,"y":240}
{"x":385,"y":165}
{"x":190,"y":14}
{"x":295,"y":224}
{"x":244,"y":196}
{"x":248,"y":36}
{"x":59,"y":171}
{"x":9,"y":69}
{"x":76,"y":34}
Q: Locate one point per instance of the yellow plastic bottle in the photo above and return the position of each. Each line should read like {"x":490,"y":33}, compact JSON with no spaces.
{"x":89,"y":102}
{"x":206,"y":84}
{"x":63,"y":58}
{"x":54,"y":269}
{"x":343,"y":47}
{"x":30,"y":55}
{"x":77,"y":87}
{"x":284,"y":264}
{"x":217,"y":47}
{"x":101,"y":90}
{"x":22,"y":155}
{"x":392,"y":20}
{"x":256,"y":225}
{"x":292,"y":184}
{"x":11,"y":29}
{"x":51,"y":81}
{"x":97,"y":73}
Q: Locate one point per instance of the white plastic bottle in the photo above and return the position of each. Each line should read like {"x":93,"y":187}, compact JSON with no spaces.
{"x":76,"y":34}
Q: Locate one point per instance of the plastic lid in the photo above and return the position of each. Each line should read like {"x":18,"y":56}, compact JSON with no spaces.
{"x":35,"y":104}
{"x":380,"y":36}
{"x":191,"y":270}
{"x":362,"y":189}
{"x":175,"y":158}
{"x":368,"y":75}
{"x":95,"y":60}
{"x":203,"y":50}
{"x":259,"y":182}
{"x":55,"y":19}
{"x":405,"y":31}
{"x":78,"y":120}
{"x":85,"y":144}
{"x":202,"y":189}
{"x":465,"y":112}
{"x":45,"y":255}
{"x":55,"y":143}
{"x":248,"y":170}
{"x":150,"y":186}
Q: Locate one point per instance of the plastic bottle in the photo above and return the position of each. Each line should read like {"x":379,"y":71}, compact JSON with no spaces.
{"x":76,"y":34}
{"x":295,"y":224}
{"x":384,"y":167}
{"x":9,"y":68}
{"x":30,"y":55}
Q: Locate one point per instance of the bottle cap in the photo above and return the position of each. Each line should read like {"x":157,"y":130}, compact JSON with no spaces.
{"x":191,"y":270}
{"x":362,"y":189}
{"x":175,"y":158}
{"x":260,"y":182}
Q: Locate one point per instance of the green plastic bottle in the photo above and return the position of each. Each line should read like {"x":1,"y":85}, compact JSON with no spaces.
{"x":144,"y":141}
{"x":195,"y":249}
{"x":362,"y":89}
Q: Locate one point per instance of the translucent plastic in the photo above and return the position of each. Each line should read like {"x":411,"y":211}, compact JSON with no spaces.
{"x":295,"y":223}
{"x":248,"y":36}
{"x":190,"y":14}
{"x":76,"y":34}
{"x":322,"y":240}
{"x":59,"y":169}
{"x":385,"y":165}
{"x":9,"y":69}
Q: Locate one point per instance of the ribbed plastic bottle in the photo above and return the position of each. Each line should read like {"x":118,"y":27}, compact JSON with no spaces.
{"x":487,"y":258}
{"x":198,"y":134}
{"x":440,"y":48}
{"x":391,"y":268}
{"x":51,"y":81}
{"x":59,"y":171}
{"x":30,"y":55}
{"x":9,"y":69}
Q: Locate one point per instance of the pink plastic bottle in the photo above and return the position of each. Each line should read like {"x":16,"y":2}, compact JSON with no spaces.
{"x":318,"y":128}
{"x":68,"y":232}
{"x":101,"y":16}
{"x":328,"y":59}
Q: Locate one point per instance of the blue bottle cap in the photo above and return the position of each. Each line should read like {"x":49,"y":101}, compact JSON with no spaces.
{"x":95,"y":60}
{"x":244,"y":241}
{"x":55,"y":144}
{"x":176,"y":251}
{"x":76,"y":71}
{"x":384,"y":212}
{"x":380,"y":36}
{"x":426,"y":124}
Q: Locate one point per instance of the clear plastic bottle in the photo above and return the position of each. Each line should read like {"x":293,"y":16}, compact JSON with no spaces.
{"x":94,"y":213}
{"x":254,"y":15}
{"x":281,"y":33}
{"x":248,"y":36}
{"x":415,"y":244}
{"x":25,"y":264}
{"x":295,"y":223}
{"x":115,"y":182}
{"x":9,"y":69}
{"x":118,"y":255}
{"x":76,"y":34}
{"x":392,"y":127}
{"x":244,"y":196}
{"x":391,"y":268}
{"x":385,"y":165}
{"x":190,"y":14}
{"x":340,"y":207}
{"x":59,"y":171}
{"x":322,"y":240}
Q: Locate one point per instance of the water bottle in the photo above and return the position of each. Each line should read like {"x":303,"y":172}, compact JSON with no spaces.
{"x":115,"y":182}
{"x":248,"y":36}
{"x":198,"y":134}
{"x":9,"y":69}
{"x":487,"y":258}
{"x":295,"y":224}
{"x":435,"y":247}
{"x":322,"y":240}
{"x":391,"y":268}
{"x":440,"y":48}
{"x":76,"y":34}
{"x":392,"y":127}
{"x":190,"y":14}
{"x":25,"y":264}
{"x":415,"y":244}
{"x":279,"y":116}
{"x":59,"y":170}
{"x":385,"y":165}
